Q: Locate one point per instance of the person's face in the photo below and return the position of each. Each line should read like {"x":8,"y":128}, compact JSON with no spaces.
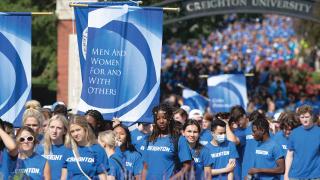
{"x":78,"y":133}
{"x":219,"y":130}
{"x":287,"y":130}
{"x":179,"y":118}
{"x":26,"y":141}
{"x":33,"y":124}
{"x":206,"y":124}
{"x":44,"y":125}
{"x":92,"y":121}
{"x":306,"y":119}
{"x":242,"y":123}
{"x":198,"y":118}
{"x":162,"y":121}
{"x":120,"y":134}
{"x":257,"y":133}
{"x":56,"y":130}
{"x":191,"y":133}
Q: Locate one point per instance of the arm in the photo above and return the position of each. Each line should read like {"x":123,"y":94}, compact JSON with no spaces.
{"x":9,"y":143}
{"x":230,"y":175}
{"x":144,"y":171}
{"x":207,"y":173}
{"x":185,"y":168}
{"x":230,"y":135}
{"x":277,"y":170}
{"x":64,"y":173}
{"x":289,"y":159}
{"x":46,"y":171}
{"x":102,"y":176}
{"x":229,"y":168}
{"x":137,"y":177}
{"x":111,"y":178}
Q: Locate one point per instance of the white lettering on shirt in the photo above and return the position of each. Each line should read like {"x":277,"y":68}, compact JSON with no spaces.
{"x":53,"y":157}
{"x":129,"y":164}
{"x":81,"y":159}
{"x":28,"y":171}
{"x":204,"y":142}
{"x":284,"y":146}
{"x":158,"y":148}
{"x":249,"y":136}
{"x":139,"y":137}
{"x":219,"y":154}
{"x":262,"y":152}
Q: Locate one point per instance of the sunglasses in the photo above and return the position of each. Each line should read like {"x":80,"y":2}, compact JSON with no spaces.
{"x":28,"y":139}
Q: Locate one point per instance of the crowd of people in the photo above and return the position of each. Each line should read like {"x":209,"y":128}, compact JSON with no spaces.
{"x":267,"y":49}
{"x":52,"y":143}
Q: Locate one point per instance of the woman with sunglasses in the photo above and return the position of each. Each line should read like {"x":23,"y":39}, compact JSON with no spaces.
{"x":86,"y":159}
{"x":126,"y":151}
{"x":56,"y":139}
{"x":29,"y":164}
{"x":107,"y":139}
{"x":200,"y":154}
{"x":7,"y":149}
{"x":33,"y":118}
{"x":163,"y":151}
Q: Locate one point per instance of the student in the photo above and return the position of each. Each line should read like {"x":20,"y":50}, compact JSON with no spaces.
{"x":303,"y":155}
{"x":223,"y":153}
{"x":28,"y":164}
{"x":8,"y":148}
{"x":56,"y":140}
{"x":200,"y":154}
{"x":107,"y":139}
{"x":268,"y":156}
{"x":95,"y":120}
{"x":288,"y":122}
{"x":33,"y":118}
{"x":180,"y":115}
{"x":139,"y":134}
{"x":205,"y":135}
{"x":163,"y":152}
{"x":131,"y":159}
{"x":86,"y":159}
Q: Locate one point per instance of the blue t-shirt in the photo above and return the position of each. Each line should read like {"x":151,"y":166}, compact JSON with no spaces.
{"x":29,"y":168}
{"x":137,"y":139}
{"x":93,"y":161}
{"x":201,"y":159}
{"x":55,"y":158}
{"x":220,"y":156}
{"x":249,"y":150}
{"x":205,"y":137}
{"x":305,"y":144}
{"x":282,"y":140}
{"x":4,"y":164}
{"x":241,"y":134}
{"x":116,"y":168}
{"x":131,"y":160}
{"x":162,"y":158}
{"x":266,"y":155}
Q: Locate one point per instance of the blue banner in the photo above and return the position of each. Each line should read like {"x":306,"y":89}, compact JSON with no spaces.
{"x":81,"y":17}
{"x":121,"y":77}
{"x":15,"y":65}
{"x":194,"y":100}
{"x":226,"y":91}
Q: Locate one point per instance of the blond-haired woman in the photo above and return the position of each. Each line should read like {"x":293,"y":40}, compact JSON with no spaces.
{"x":33,"y":118}
{"x":107,"y":139}
{"x":86,"y":159}
{"x":56,"y":140}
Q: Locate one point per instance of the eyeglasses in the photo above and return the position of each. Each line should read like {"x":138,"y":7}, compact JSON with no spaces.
{"x":29,"y":139}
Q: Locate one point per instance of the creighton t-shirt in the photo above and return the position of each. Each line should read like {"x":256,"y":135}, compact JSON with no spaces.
{"x":220,"y":156}
{"x":4,"y":164}
{"x":162,"y":158}
{"x":201,"y":159}
{"x":55,"y":158}
{"x":29,"y":168}
{"x":131,"y":160}
{"x":249,"y":150}
{"x":266,"y":155}
{"x":281,"y":139}
{"x":93,"y":161}
{"x":205,"y":136}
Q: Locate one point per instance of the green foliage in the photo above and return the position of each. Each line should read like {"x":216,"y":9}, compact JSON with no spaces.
{"x":44,"y":39}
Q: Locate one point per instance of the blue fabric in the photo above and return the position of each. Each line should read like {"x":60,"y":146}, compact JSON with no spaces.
{"x":241,"y":134}
{"x":137,"y":138}
{"x":5,"y":164}
{"x":282,"y":140}
{"x":93,"y":161}
{"x":132,"y":161}
{"x":249,"y":150}
{"x":201,"y":159}
{"x":305,"y":144}
{"x":55,"y":158}
{"x":184,"y":152}
{"x":220,"y":156}
{"x":205,"y":136}
{"x":116,"y":168}
{"x":266,"y":155}
{"x":29,"y":168}
{"x":162,"y":158}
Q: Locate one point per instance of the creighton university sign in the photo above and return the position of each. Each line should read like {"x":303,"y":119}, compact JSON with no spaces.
{"x":305,"y":9}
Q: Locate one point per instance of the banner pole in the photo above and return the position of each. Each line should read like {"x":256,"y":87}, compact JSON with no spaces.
{"x":86,"y":5}
{"x":41,"y":13}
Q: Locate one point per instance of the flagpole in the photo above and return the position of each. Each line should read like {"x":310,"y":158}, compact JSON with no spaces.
{"x":86,"y":5}
{"x":41,"y":13}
